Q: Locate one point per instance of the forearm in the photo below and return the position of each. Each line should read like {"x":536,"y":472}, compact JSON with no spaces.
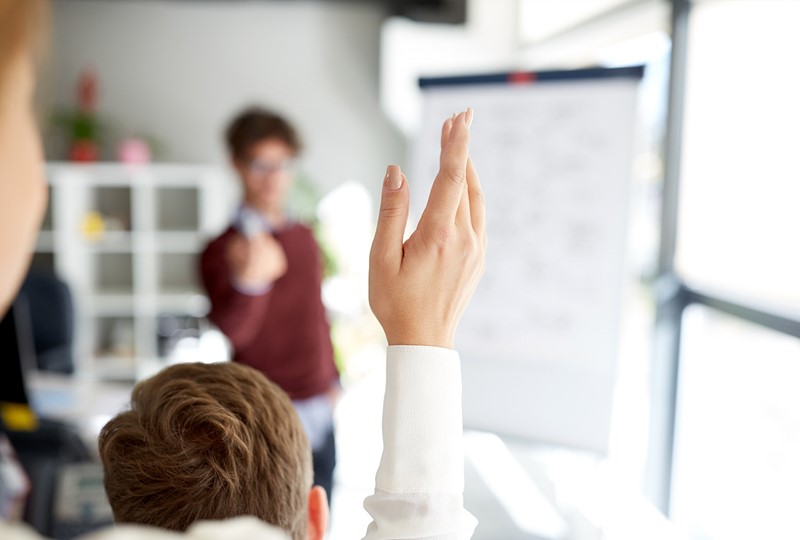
{"x":237,"y":313}
{"x":418,"y":289}
{"x":238,"y":316}
{"x":420,"y":482}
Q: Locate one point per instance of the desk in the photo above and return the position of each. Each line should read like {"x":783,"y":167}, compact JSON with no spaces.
{"x":87,"y":405}
{"x":519,"y":490}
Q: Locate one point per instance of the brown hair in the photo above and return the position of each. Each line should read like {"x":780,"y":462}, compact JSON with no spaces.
{"x":254,"y":125}
{"x":207,"y":441}
{"x":22,"y":28}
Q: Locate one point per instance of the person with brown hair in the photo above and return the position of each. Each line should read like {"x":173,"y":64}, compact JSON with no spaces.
{"x":263,"y":276}
{"x":209,"y":442}
{"x":203,"y":442}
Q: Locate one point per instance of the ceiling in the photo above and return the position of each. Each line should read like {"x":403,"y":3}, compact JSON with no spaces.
{"x":439,"y":11}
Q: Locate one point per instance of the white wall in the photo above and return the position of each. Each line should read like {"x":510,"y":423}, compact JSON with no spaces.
{"x":178,"y":71}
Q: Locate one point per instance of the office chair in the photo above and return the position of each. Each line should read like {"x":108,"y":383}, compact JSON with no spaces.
{"x":52,"y":321}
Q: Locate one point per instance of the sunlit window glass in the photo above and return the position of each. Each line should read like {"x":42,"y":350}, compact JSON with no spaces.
{"x":740,"y":205}
{"x":737,"y":460}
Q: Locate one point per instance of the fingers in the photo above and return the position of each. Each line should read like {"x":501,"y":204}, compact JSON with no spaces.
{"x":387,"y":246}
{"x":448,"y":188}
{"x":446,"y":127}
{"x":477,"y":204}
{"x":462,"y":214}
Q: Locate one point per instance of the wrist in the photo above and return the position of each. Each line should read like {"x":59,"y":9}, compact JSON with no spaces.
{"x":430,"y":338}
{"x":252,"y":287}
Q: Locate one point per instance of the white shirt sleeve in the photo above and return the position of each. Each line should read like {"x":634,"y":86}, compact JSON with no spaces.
{"x":419,"y":487}
{"x":251,"y":290}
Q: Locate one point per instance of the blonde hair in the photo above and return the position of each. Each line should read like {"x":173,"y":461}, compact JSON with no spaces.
{"x":207,"y":441}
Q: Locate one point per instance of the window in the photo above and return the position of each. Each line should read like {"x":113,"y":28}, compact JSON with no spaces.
{"x":735,"y":469}
{"x":737,"y":458}
{"x":740,"y":187}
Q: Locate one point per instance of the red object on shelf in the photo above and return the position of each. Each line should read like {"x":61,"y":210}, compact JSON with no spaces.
{"x":84,"y":151}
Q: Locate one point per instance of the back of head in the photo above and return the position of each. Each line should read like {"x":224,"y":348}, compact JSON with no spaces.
{"x":207,"y":441}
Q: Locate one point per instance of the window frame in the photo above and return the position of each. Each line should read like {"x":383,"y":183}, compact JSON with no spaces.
{"x":673,"y":294}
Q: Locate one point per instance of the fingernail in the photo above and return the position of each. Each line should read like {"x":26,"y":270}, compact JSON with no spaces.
{"x":393,"y":179}
{"x":470,"y":114}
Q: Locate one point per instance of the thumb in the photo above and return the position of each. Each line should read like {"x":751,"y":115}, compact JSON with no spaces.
{"x":387,"y":246}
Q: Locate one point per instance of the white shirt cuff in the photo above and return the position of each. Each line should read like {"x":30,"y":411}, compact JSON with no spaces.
{"x":423,"y":433}
{"x":251,"y":290}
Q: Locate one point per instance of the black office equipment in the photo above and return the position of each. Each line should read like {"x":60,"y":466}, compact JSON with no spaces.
{"x":52,"y":324}
{"x":44,"y":447}
{"x":17,"y":353}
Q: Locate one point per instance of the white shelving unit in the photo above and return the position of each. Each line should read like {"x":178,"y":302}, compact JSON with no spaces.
{"x":140,"y":265}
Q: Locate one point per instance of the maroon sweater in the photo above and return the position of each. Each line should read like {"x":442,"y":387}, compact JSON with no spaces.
{"x":284,"y":332}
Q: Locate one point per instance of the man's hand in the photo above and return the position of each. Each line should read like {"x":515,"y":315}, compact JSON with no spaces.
{"x":256,"y":262}
{"x":419,"y":289}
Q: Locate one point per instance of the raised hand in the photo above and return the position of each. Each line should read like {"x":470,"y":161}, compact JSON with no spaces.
{"x":419,"y":289}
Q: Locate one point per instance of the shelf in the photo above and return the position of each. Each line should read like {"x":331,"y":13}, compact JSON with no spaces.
{"x":112,"y":304}
{"x":127,"y":239}
{"x":179,"y":242}
{"x":178,"y":175}
{"x":178,"y":273}
{"x":163,"y":241}
{"x":112,"y":242}
{"x":192,"y":303}
{"x":114,"y":273}
{"x":114,"y":204}
{"x":114,"y":344}
{"x":113,"y":174}
{"x":96,"y":174}
{"x":178,"y":208}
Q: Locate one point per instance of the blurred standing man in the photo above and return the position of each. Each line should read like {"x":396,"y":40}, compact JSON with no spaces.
{"x":263,"y":276}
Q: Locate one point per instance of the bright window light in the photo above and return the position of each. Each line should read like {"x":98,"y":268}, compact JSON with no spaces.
{"x":739,"y":219}
{"x":737,"y":460}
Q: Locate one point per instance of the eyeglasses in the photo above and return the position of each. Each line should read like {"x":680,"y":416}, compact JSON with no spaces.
{"x":265,"y":168}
